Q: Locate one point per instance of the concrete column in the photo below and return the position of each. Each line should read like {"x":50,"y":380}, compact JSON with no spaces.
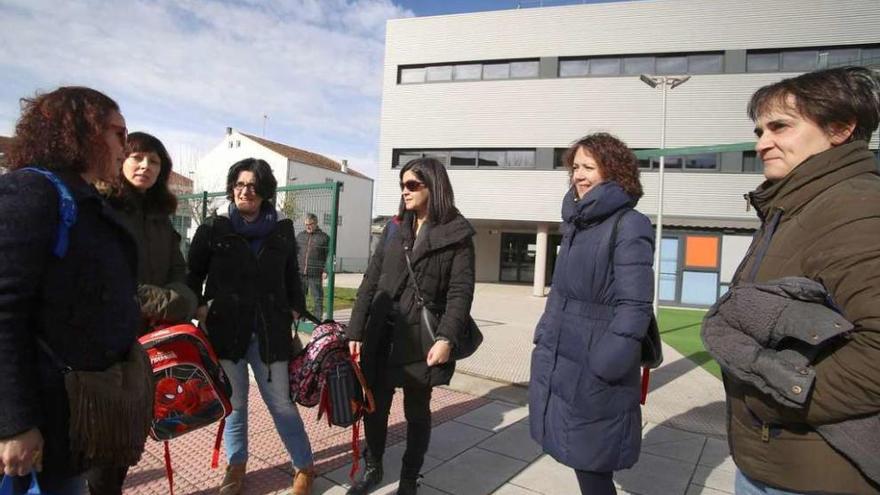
{"x":540,"y":260}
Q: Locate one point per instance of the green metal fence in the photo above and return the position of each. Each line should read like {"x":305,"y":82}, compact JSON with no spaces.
{"x":294,"y":202}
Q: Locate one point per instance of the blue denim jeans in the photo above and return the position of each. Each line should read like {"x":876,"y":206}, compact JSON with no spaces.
{"x":276,"y":395}
{"x":75,"y":485}
{"x":747,"y":486}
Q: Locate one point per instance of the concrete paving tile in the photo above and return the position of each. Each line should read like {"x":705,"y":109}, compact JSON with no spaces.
{"x":655,"y":475}
{"x":509,"y":489}
{"x":494,"y":416}
{"x":324,"y":486}
{"x":452,"y":438}
{"x":717,"y":478}
{"x":514,"y":442}
{"x":391,"y":465}
{"x":672,"y":443}
{"x":548,"y":477}
{"x":475,"y":472}
{"x":716,"y":453}
{"x":702,"y":490}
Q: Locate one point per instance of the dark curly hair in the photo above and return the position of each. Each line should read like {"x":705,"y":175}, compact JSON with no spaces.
{"x":62,"y":130}
{"x":616,"y":161}
{"x":267,"y":185}
{"x":159,"y":198}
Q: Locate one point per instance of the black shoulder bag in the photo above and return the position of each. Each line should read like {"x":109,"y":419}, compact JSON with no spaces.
{"x":468,"y":341}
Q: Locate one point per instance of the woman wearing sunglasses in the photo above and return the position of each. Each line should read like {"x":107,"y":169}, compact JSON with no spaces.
{"x":584,"y":388}
{"x":385,"y":329}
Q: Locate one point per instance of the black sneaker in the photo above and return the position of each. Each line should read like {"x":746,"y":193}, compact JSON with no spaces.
{"x":372,"y":478}
{"x":408,"y":487}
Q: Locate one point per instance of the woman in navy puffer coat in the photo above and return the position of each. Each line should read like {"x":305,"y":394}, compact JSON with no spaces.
{"x":584,"y":388}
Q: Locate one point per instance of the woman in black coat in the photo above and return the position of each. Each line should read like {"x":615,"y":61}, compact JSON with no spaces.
{"x":77,"y":297}
{"x":385,"y":324}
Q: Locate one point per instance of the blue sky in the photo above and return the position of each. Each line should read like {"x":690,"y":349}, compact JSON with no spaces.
{"x":184,"y":70}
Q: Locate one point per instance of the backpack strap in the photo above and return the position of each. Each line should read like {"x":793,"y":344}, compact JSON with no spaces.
{"x":66,"y":211}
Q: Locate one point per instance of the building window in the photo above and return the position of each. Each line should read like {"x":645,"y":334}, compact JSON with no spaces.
{"x":469,"y":71}
{"x":668,"y":269}
{"x":808,"y":59}
{"x":489,"y":158}
{"x":341,"y":183}
{"x":683,"y":63}
{"x":752,"y":163}
{"x":699,"y":288}
{"x":699,"y":161}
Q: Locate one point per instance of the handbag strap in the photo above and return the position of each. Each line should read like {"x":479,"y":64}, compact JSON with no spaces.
{"x":412,"y":276}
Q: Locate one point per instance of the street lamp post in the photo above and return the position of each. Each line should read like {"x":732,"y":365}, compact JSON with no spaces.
{"x":671,"y":82}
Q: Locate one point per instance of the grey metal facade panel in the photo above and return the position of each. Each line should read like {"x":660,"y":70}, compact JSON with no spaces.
{"x":651,"y":26}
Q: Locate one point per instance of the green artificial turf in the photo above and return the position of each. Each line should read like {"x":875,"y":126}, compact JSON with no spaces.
{"x":680,"y":328}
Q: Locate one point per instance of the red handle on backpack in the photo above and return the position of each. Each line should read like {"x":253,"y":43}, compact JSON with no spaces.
{"x":368,"y":394}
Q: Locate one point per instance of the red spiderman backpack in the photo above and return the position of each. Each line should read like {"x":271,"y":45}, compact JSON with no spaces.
{"x":191,"y":389}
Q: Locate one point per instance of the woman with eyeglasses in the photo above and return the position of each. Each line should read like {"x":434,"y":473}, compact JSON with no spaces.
{"x":243,"y":268}
{"x":584,"y":387}
{"x":385,"y":329}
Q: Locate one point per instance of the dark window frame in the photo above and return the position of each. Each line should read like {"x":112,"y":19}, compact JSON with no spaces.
{"x":481,"y":63}
{"x":447,"y":157}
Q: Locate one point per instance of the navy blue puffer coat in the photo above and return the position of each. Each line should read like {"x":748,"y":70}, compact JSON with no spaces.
{"x":584,"y":388}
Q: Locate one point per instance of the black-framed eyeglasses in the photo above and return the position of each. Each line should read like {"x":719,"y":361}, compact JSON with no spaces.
{"x":241,"y":186}
{"x":412,"y":186}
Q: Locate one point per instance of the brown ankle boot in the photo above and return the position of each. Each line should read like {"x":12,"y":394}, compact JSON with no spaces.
{"x":233,"y":481}
{"x":302,"y":481}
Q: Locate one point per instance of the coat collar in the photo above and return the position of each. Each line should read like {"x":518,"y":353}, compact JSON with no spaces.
{"x":815,"y":175}
{"x":599,"y":203}
{"x":440,"y":235}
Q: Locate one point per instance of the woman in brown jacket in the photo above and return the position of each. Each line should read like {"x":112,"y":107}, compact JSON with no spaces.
{"x":145,"y":204}
{"x":820,"y":213}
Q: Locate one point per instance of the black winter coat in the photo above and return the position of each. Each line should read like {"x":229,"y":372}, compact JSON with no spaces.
{"x":444,"y":266}
{"x":249,"y":293}
{"x":82,"y":305}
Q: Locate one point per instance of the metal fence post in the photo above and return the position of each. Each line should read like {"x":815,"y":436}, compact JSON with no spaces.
{"x":331,"y":254}
{"x":204,"y":206}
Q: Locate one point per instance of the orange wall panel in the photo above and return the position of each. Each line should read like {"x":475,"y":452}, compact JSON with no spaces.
{"x":701,"y":252}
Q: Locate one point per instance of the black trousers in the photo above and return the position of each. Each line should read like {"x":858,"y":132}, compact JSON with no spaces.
{"x":593,"y":483}
{"x":417,"y":409}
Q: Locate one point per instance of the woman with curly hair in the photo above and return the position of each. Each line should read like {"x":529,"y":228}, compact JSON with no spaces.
{"x":584,"y":390}
{"x":75,"y":386}
{"x":142,"y":198}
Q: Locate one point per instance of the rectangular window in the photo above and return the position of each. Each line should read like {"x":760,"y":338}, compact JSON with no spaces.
{"x":638,"y":65}
{"x":524,"y":69}
{"x":799,"y":60}
{"x":762,"y":62}
{"x":605,"y":66}
{"x":467,"y":72}
{"x":842,"y":56}
{"x":706,"y":64}
{"x":559,"y":157}
{"x":573,"y":68}
{"x":439,"y":73}
{"x":459,"y":158}
{"x":703,"y":161}
{"x":441,"y":155}
{"x":668,"y":162}
{"x":489,"y":158}
{"x":668,"y":269}
{"x":496,"y":71}
{"x":412,"y":76}
{"x":672,"y":65}
{"x":699,"y":288}
{"x":752,"y":163}
{"x":405,"y":157}
{"x":870,"y":56}
{"x":521,"y":159}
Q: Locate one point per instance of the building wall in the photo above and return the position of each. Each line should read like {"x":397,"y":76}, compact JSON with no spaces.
{"x":488,"y":247}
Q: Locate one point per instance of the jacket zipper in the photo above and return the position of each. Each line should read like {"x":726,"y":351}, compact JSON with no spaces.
{"x":257,"y":304}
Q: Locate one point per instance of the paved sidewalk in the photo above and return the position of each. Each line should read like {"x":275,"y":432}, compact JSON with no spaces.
{"x":480,"y":442}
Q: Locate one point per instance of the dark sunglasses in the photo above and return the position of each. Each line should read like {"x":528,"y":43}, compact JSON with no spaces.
{"x":412,"y":185}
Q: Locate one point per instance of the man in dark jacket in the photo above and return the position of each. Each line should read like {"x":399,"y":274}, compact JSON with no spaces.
{"x":820,"y":212}
{"x":313,"y":247}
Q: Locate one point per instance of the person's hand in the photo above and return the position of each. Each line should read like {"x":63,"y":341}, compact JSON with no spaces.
{"x":354,"y":347}
{"x":202,"y":316}
{"x":439,"y":353}
{"x":21,"y":454}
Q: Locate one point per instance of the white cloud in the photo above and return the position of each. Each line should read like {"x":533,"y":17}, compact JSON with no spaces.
{"x":186,"y":69}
